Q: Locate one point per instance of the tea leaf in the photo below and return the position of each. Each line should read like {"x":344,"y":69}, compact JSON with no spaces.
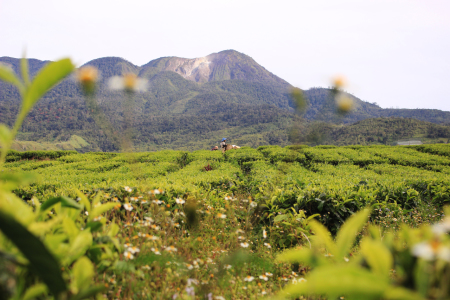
{"x":35,"y":291}
{"x":97,"y":211}
{"x":82,"y":272}
{"x":353,"y":282}
{"x":65,"y":202}
{"x":42,"y":261}
{"x":347,"y":234}
{"x":47,"y":78}
{"x":377,"y":256}
{"x":8,"y":75}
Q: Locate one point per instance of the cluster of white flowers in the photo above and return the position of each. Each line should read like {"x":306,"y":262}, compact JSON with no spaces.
{"x":130,"y":251}
{"x":179,"y":201}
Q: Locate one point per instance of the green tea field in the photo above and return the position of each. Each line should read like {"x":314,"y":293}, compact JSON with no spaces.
{"x":207,"y":225}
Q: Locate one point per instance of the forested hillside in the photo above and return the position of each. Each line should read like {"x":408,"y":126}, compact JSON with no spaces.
{"x":190,"y":104}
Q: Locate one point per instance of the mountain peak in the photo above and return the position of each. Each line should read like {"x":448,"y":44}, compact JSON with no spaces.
{"x":224,"y":65}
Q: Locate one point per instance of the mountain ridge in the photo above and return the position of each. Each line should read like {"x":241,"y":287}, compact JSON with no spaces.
{"x":224,"y":93}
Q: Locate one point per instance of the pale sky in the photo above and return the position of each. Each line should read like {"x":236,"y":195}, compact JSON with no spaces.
{"x":393,"y":52}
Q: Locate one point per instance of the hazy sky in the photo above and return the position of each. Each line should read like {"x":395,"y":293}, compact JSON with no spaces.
{"x":393,"y":52}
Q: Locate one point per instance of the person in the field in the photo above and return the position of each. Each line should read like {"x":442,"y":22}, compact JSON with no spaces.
{"x":223,"y":144}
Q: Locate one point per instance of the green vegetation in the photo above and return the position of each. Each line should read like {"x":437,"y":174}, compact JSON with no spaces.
{"x":272,"y":189}
{"x":177,"y":224}
{"x":241,"y":100}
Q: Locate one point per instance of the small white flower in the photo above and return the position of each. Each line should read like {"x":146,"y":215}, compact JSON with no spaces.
{"x":221,"y":216}
{"x":267,"y":245}
{"x":264,"y":277}
{"x":148,"y":219}
{"x":190,"y":267}
{"x":128,"y":255}
{"x":192,"y":281}
{"x":179,"y":201}
{"x":152,"y":237}
{"x":128,"y":189}
{"x":128,"y":206}
{"x":156,"y":251}
{"x":171,"y":249}
{"x":432,"y":250}
{"x":227,"y":267}
{"x":87,"y":214}
{"x":228,"y":198}
{"x":301,"y":279}
{"x":155,"y":227}
{"x":244,"y":245}
{"x":133,"y":250}
{"x":269,"y":274}
{"x":264,"y":233}
{"x":219,"y":298}
{"x":442,"y":227}
{"x":241,"y":238}
{"x":146,"y":267}
{"x":249,"y":278}
{"x":253,"y":204}
{"x":346,"y":259}
{"x":128,"y":82}
{"x":239,"y":231}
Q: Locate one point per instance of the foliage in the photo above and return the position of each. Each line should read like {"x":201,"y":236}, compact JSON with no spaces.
{"x":242,"y":101}
{"x":408,"y":264}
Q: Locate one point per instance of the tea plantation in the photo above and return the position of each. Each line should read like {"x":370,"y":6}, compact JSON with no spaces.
{"x":209,"y":225}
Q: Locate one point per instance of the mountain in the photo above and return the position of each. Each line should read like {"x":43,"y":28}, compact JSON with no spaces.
{"x":190,"y":104}
{"x":389,"y":131}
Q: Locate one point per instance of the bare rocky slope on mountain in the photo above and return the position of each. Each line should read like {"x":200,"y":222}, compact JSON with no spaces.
{"x":190,"y":104}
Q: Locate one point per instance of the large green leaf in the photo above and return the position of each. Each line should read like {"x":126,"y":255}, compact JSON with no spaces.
{"x":8,"y":75}
{"x":15,"y":180}
{"x":399,"y":293}
{"x":82,"y":273}
{"x":24,"y":70}
{"x":47,"y":78}
{"x":377,"y":256}
{"x":5,"y":135}
{"x":71,"y":229}
{"x":97,"y":211}
{"x":79,"y":246}
{"x":322,"y":237}
{"x":304,"y":256}
{"x":339,"y":280}
{"x":41,"y":260}
{"x":34,"y":291}
{"x":41,"y":228}
{"x":347,"y":234}
{"x":65,"y":202}
{"x":84,"y":201}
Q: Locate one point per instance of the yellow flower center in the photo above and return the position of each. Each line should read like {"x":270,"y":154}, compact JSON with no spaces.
{"x":87,"y":74}
{"x":129,"y":81}
{"x":435,"y":245}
